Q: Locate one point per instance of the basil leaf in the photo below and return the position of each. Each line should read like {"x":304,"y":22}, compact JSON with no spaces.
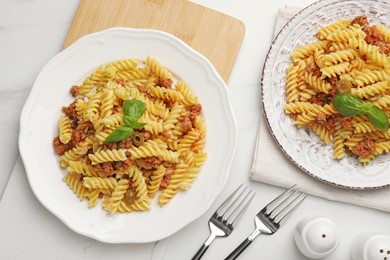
{"x":378,"y":118}
{"x":120,"y":133}
{"x":133,"y":108}
{"x":367,"y":106}
{"x":349,"y":105}
{"x":132,"y":123}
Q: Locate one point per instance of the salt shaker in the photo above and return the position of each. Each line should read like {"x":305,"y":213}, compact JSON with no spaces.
{"x":316,"y":237}
{"x":370,"y":245}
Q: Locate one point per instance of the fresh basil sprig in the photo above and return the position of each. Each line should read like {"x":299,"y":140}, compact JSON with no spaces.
{"x":349,"y":105}
{"x":133,"y":110}
{"x":120,"y":133}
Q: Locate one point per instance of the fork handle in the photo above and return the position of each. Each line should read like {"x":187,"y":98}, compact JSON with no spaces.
{"x":233,"y":255}
{"x":204,"y":247}
{"x":200,"y":252}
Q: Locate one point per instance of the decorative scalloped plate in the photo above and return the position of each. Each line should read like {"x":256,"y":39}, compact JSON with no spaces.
{"x":301,"y":146}
{"x":39,"y":125}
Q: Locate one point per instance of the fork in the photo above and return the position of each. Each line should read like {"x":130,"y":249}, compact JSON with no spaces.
{"x":226,"y":217}
{"x":268,"y":220}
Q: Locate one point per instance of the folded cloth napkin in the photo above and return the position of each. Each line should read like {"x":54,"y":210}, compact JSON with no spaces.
{"x":282,"y":172}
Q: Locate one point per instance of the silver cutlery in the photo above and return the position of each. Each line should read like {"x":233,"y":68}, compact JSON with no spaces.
{"x":268,"y":220}
{"x":226,"y":217}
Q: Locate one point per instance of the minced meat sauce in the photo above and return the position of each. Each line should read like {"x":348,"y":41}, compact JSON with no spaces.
{"x":364,"y":149}
{"x":373,"y":36}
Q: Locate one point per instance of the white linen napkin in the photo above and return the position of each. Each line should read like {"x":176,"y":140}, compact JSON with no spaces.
{"x":282,"y":172}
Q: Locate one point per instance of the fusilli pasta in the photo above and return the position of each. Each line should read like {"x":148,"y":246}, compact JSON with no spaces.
{"x":350,"y":56}
{"x":161,"y":158}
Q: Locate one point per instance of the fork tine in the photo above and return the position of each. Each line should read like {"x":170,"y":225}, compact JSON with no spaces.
{"x":228,"y":202}
{"x":282,"y":204}
{"x":237,"y":214}
{"x":277,"y":199}
{"x":232,"y":207}
{"x":290,"y":208}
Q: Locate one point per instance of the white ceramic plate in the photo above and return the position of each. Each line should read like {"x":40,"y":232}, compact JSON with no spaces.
{"x":38,"y":127}
{"x":304,"y":148}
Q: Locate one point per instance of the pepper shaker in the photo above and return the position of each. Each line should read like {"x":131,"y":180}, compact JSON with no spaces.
{"x":371,"y":246}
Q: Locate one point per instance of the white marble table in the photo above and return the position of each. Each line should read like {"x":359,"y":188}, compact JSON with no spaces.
{"x":32,"y":32}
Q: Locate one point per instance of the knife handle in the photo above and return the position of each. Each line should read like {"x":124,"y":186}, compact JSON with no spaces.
{"x":233,"y":255}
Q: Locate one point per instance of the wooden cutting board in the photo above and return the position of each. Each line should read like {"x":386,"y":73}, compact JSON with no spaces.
{"x":216,"y":35}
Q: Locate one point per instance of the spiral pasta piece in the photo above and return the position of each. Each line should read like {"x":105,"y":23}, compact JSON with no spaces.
{"x":108,"y":156}
{"x":368,"y":77}
{"x":344,"y":34}
{"x":97,"y":78}
{"x":126,"y":64}
{"x":303,"y":51}
{"x":82,"y":168}
{"x":335,"y":70}
{"x":188,"y":140}
{"x":174,"y":182}
{"x":139,"y":182}
{"x":323,"y":32}
{"x":116,"y":197}
{"x":157,"y":69}
{"x":65,"y":129}
{"x":166,"y":94}
{"x":364,"y":127}
{"x":133,"y":74}
{"x":382,"y":102}
{"x":153,"y":125}
{"x":366,"y":160}
{"x":339,"y":57}
{"x":155,"y":181}
{"x":338,"y":142}
{"x":107,"y":100}
{"x":292,"y":82}
{"x":307,"y":93}
{"x":74,"y":154}
{"x":305,"y":118}
{"x":192,"y":171}
{"x":113,"y":120}
{"x":188,"y":98}
{"x":173,"y":116}
{"x":371,"y":90}
{"x":93,"y":198}
{"x":92,"y":110}
{"x":382,"y":147}
{"x":100,"y":183}
{"x":322,"y":133}
{"x":354,"y":140}
{"x":384,"y":31}
{"x":74,"y":182}
{"x":371,"y":51}
{"x":338,"y":46}
{"x":136,"y":206}
{"x":317,"y":83}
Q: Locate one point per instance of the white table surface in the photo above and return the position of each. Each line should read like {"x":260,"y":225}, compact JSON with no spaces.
{"x":31,"y":33}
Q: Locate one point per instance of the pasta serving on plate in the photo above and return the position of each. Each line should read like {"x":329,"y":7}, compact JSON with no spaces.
{"x":132,"y":133}
{"x":349,"y":63}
